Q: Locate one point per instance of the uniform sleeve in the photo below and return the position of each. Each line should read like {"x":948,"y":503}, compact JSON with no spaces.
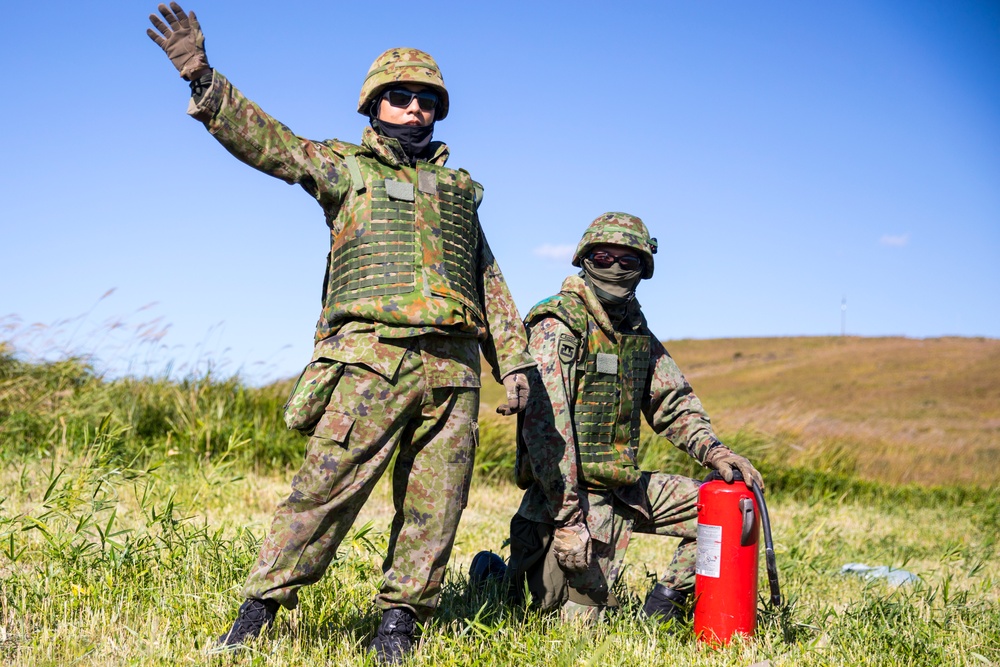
{"x":505,"y":346}
{"x":548,"y":424}
{"x":262,"y":142}
{"x":672,"y":408}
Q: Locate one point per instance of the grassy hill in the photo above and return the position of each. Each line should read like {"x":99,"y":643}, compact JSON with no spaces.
{"x":131,"y":510}
{"x":898,"y":410}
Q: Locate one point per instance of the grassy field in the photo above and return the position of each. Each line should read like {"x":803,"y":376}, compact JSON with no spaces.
{"x":893,"y":409}
{"x":130,"y":511}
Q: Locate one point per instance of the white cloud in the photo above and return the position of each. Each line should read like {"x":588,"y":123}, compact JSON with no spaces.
{"x":555,"y":253}
{"x":896,"y":241}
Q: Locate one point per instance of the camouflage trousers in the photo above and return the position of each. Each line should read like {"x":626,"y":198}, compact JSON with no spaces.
{"x":673,"y":513}
{"x":368,"y":419}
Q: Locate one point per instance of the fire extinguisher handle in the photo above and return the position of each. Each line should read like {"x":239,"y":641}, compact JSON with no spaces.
{"x":746,"y":534}
{"x":772,"y":565}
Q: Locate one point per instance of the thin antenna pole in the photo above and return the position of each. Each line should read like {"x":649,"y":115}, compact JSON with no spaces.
{"x":843,"y":316}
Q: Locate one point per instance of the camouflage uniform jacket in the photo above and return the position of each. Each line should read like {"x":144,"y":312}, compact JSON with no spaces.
{"x":325,"y":170}
{"x":555,"y":494}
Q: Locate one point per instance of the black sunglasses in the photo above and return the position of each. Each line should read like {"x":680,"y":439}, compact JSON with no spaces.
{"x":401,"y":97}
{"x":605,"y":260}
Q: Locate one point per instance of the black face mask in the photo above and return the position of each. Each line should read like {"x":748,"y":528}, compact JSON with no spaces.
{"x":413,"y":139}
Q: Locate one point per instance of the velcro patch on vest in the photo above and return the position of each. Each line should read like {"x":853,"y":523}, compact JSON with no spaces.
{"x":427,"y":183}
{"x":567,"y":348}
{"x":607,"y":363}
{"x":398,"y":190}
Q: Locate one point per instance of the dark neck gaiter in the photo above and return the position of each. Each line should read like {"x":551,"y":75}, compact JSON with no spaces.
{"x":413,"y":139}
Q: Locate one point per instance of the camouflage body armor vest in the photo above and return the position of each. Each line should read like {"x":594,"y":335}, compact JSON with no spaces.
{"x":405,"y":247}
{"x":610,"y":383}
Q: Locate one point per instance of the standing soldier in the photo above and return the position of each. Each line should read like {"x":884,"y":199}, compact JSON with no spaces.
{"x":411,"y":293}
{"x":601,"y":369}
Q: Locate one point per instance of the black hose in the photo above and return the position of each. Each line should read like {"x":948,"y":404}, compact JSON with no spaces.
{"x":772,"y":565}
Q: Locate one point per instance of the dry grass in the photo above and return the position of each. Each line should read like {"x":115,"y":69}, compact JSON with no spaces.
{"x":896,"y":409}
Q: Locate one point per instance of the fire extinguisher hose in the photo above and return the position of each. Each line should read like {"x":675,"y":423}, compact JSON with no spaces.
{"x":772,"y":565}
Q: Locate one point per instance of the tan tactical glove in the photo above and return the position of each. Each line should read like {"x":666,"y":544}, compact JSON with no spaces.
{"x":723,"y":459}
{"x":182,"y":41}
{"x":516,"y":385}
{"x":571,"y":547}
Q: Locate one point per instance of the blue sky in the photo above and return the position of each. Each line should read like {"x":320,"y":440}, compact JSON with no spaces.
{"x":786,"y":154}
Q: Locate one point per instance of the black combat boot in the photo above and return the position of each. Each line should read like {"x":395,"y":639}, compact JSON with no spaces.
{"x":394,"y":638}
{"x":486,"y":566}
{"x":665,"y":604}
{"x":253,"y":617}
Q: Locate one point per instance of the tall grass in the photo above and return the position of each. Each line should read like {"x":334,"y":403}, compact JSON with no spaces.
{"x":49,"y":403}
{"x":130,"y":511}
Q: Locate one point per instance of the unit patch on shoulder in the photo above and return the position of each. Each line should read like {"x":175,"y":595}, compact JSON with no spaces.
{"x":567,"y":348}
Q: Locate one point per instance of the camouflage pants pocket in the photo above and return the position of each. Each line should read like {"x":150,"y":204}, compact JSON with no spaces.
{"x":311,"y":394}
{"x":327,"y":464}
{"x":467,"y":482}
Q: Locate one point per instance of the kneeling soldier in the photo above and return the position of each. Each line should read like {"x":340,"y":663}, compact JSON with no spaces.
{"x":599,"y":369}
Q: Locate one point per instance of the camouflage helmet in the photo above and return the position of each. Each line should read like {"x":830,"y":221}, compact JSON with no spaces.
{"x":402,"y":65}
{"x":619,"y":229}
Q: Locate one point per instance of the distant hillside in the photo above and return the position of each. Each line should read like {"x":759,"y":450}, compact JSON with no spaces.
{"x":891,"y":409}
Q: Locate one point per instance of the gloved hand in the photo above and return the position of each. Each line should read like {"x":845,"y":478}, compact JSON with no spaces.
{"x":723,"y":459}
{"x":182,"y":41}
{"x":516,"y":385}
{"x":571,"y":547}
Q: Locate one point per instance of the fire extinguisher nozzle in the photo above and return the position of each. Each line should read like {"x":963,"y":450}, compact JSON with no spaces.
{"x":772,"y":576}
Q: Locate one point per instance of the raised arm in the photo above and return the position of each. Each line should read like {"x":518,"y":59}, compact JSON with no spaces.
{"x":240,"y":125}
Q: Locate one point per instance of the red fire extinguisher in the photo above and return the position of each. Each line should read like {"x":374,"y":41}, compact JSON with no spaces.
{"x":730,"y":518}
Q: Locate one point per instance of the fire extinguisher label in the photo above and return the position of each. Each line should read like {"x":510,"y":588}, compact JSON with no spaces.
{"x":709,"y":550}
